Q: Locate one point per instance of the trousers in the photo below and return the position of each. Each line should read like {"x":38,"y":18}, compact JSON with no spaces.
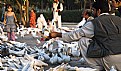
{"x":57,"y":18}
{"x":99,"y":63}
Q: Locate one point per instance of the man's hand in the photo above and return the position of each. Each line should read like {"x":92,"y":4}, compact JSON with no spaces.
{"x":57,"y":10}
{"x":54,"y":35}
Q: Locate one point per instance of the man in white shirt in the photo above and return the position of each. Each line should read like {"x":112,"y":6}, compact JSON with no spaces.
{"x":57,"y":10}
{"x":104,"y":30}
{"x":87,"y":15}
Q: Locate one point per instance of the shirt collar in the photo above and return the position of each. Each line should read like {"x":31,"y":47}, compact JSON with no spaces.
{"x":104,"y":14}
{"x":90,"y":18}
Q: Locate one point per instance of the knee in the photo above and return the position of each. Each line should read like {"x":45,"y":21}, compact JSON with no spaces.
{"x":83,"y":41}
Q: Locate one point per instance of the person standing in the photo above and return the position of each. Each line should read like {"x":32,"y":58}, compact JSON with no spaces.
{"x":32,"y":19}
{"x":57,"y":11}
{"x":9,"y":22}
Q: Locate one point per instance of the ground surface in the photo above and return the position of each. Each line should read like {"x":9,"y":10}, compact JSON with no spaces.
{"x":33,"y":42}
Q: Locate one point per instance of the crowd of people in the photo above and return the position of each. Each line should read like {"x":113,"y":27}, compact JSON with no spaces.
{"x":42,"y":22}
{"x":98,"y":35}
{"x":34,"y":21}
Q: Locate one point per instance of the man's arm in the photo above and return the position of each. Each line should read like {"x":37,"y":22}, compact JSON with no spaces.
{"x":15,"y":17}
{"x":86,"y":31}
{"x":61,"y":7}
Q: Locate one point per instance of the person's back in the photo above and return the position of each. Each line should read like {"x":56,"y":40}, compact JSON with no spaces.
{"x":41,"y":22}
{"x":110,"y":32}
{"x":107,"y":30}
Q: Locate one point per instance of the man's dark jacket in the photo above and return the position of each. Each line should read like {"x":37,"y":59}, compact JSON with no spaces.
{"x":107,"y":33}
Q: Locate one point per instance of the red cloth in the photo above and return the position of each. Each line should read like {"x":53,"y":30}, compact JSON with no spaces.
{"x":41,"y":39}
{"x":32,"y":20}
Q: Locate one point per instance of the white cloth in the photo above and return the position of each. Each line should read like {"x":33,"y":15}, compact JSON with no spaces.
{"x":41,"y":22}
{"x":57,"y":17}
{"x":82,"y":22}
{"x":86,"y":31}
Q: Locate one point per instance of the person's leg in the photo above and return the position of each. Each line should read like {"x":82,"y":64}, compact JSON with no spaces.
{"x":40,"y":26}
{"x":34,"y":25}
{"x":31,"y":25}
{"x":59,"y":21}
{"x":12,"y":36}
{"x":55,"y":19}
{"x":8,"y":35}
{"x":112,"y":60}
{"x":93,"y":62}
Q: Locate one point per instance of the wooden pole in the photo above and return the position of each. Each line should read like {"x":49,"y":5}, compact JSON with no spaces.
{"x":20,"y":9}
{"x":27,"y":13}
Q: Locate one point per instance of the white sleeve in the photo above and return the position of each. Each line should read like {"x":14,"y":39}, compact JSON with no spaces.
{"x":82,"y":22}
{"x":61,"y":7}
{"x":38,"y":20}
{"x":86,"y":31}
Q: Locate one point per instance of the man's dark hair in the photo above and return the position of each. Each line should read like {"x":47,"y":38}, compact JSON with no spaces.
{"x":102,"y":5}
{"x":89,"y":12}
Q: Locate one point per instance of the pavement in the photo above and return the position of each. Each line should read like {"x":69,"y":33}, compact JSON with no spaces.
{"x":69,"y":25}
{"x":32,"y":41}
{"x":29,"y":39}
